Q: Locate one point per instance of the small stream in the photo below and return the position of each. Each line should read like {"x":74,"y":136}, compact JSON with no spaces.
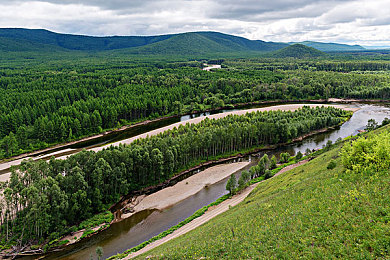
{"x":146,"y":224}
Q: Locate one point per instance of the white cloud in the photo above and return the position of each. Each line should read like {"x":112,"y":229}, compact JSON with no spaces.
{"x":357,"y":21}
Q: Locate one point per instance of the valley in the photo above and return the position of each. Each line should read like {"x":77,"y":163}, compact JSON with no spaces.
{"x":114,"y":143}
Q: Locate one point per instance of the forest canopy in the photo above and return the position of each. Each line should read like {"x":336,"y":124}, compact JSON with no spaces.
{"x":41,"y":106}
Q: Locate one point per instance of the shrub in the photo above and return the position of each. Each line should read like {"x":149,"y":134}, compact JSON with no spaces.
{"x":231,"y":184}
{"x":273,"y":162}
{"x":367,"y":155}
{"x":298,"y":156}
{"x":284,"y":157}
{"x":331,"y":165}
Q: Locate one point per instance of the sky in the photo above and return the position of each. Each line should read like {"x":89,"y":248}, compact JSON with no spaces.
{"x":344,"y":21}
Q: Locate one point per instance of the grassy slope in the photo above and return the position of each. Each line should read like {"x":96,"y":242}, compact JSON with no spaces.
{"x":308,"y":212}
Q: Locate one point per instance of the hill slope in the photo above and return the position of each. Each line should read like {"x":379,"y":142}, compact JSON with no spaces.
{"x":79,"y":42}
{"x":329,"y":47}
{"x":185,"y":43}
{"x":310,"y":212}
{"x":203,"y":43}
{"x":297,"y":51}
{"x":14,"y":45}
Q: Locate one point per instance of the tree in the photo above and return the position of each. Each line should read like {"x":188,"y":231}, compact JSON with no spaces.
{"x":298,"y":156}
{"x":9,"y":144}
{"x":157,"y":159}
{"x":371,"y":125}
{"x":267,"y":174}
{"x":99,"y":252}
{"x":284,"y":157}
{"x":244,"y":178}
{"x":231,"y":184}
{"x":273,"y":162}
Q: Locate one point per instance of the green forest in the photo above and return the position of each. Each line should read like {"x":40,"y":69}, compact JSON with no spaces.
{"x":49,"y":199}
{"x":42,"y":106}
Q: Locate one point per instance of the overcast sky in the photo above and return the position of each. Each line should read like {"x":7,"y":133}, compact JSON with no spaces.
{"x":356,"y":22}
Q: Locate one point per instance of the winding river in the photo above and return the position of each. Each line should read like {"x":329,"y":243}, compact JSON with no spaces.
{"x":146,"y":224}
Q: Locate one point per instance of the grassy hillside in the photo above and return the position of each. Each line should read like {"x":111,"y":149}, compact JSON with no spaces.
{"x":310,"y":212}
{"x":297,"y":51}
{"x":330,"y":47}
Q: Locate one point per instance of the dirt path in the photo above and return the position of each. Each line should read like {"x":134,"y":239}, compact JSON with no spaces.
{"x":211,"y":213}
{"x":292,"y":166}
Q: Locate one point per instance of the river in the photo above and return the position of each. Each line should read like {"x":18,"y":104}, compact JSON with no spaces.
{"x":146,"y":224}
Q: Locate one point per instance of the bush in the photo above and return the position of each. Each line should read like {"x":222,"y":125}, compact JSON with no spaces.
{"x":105,"y":217}
{"x":284,"y":157}
{"x":231,"y":184}
{"x":273,"y":162}
{"x":244,"y":178}
{"x":367,"y":155}
{"x":298,"y":156}
{"x":331,"y":165}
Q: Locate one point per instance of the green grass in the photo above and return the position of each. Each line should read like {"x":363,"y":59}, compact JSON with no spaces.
{"x":309,"y":212}
{"x":197,"y":214}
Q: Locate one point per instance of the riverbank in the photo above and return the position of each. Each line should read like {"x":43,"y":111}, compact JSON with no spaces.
{"x":184,"y":189}
{"x":169,"y":196}
{"x":166,"y":197}
{"x":210,"y":214}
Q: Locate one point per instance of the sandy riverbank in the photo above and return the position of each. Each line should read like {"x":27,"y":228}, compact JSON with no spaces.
{"x":186,"y":188}
{"x":210,"y":214}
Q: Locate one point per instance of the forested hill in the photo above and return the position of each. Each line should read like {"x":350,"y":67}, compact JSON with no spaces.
{"x":332,"y":47}
{"x":297,"y":51}
{"x":184,"y":43}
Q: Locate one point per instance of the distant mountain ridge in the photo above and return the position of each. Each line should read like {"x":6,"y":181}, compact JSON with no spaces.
{"x":330,"y":47}
{"x":190,"y":43}
{"x":183,"y":43}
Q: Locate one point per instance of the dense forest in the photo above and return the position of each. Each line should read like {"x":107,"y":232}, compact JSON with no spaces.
{"x":42,"y":105}
{"x":47,"y":199}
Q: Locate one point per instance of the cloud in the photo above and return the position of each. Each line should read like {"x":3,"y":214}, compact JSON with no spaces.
{"x":351,"y":21}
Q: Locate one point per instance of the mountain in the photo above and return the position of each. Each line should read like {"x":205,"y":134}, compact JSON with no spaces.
{"x":15,"y":45}
{"x":78,"y":42}
{"x":330,"y":47}
{"x":297,"y":51}
{"x":204,"y":43}
{"x":184,"y":43}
